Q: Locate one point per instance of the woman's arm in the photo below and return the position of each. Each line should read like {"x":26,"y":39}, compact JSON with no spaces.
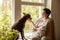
{"x":35,"y":25}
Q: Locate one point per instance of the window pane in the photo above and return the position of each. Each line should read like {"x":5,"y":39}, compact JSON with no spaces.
{"x":5,"y":20}
{"x":34,"y":12}
{"x":5,"y":13}
{"x":37,"y":1}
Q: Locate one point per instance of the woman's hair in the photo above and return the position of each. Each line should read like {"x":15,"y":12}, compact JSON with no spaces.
{"x":48,"y":11}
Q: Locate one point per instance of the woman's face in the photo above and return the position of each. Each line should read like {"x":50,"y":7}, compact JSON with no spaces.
{"x":44,"y":14}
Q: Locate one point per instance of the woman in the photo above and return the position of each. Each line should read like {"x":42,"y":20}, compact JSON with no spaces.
{"x":43,"y":28}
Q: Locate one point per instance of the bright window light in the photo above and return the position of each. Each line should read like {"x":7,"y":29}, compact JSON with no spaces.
{"x":0,"y":2}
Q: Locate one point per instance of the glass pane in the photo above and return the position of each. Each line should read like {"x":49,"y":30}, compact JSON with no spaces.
{"x":6,"y":20}
{"x":5,"y":12}
{"x":37,"y":1}
{"x":34,"y":12}
{"x":5,"y":16}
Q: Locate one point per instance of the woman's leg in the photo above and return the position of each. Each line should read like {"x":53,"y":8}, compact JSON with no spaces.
{"x":36,"y":38}
{"x":43,"y":38}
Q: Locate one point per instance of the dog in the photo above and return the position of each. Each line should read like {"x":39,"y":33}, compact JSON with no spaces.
{"x":20,"y":25}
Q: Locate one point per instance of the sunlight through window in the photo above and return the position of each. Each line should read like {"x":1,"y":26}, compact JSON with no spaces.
{"x":0,"y":2}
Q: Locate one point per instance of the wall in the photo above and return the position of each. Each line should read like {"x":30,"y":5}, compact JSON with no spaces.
{"x":56,"y":16}
{"x":54,"y":5}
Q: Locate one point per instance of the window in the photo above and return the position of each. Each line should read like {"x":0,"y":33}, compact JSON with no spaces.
{"x":5,"y":13}
{"x":34,"y":8}
{"x":5,"y":19}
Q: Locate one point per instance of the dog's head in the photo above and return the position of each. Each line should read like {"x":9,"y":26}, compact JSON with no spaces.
{"x":28,"y":16}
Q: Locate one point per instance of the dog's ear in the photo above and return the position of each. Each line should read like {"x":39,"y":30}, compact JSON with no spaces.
{"x":24,"y":13}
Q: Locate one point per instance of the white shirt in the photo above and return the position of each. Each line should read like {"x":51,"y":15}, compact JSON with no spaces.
{"x":42,"y":24}
{"x":42,"y":28}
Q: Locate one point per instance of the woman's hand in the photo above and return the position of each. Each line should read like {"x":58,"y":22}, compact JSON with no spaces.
{"x":35,"y":26}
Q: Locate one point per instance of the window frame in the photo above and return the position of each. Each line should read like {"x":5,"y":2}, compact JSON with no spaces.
{"x":18,"y":3}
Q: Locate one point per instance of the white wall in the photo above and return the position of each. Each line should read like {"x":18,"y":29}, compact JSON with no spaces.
{"x":56,"y":17}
